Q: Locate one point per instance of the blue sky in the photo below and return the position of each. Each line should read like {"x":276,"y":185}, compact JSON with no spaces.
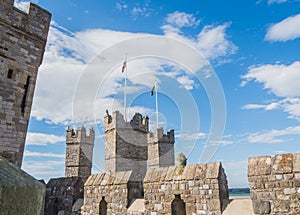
{"x":249,"y":71}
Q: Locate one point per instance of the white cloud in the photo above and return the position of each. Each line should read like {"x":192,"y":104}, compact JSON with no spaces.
{"x":186,"y":82}
{"x":288,"y":105}
{"x":213,"y":42}
{"x":287,"y":29}
{"x":195,"y":136}
{"x":181,"y":19}
{"x":280,"y":79}
{"x":273,"y":136}
{"x":276,"y":1}
{"x":44,"y":169}
{"x":69,"y":56}
{"x":42,"y":139}
{"x":40,"y":154}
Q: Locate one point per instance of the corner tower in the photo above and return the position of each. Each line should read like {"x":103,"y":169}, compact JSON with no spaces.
{"x":79,"y":152}
{"x":23,"y":38}
{"x":161,"y":148}
{"x":126,"y":144}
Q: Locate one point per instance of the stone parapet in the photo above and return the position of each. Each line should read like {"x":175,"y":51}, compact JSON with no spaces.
{"x":202,"y":188}
{"x":275,"y":184}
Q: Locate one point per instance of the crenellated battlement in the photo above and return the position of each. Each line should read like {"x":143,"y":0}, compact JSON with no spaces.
{"x":80,"y":135}
{"x":35,"y":21}
{"x":159,"y":137}
{"x":117,"y":121}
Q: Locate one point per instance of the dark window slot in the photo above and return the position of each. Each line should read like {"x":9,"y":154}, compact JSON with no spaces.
{"x":23,"y":104}
{"x":10,"y":73}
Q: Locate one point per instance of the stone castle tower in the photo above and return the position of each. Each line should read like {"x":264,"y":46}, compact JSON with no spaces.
{"x":130,"y":146}
{"x":79,"y":152}
{"x":126,"y":144}
{"x":23,"y":38}
{"x":161,"y":148}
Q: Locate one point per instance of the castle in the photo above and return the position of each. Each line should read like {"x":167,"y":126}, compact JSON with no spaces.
{"x":140,"y":176}
{"x":140,"y":173}
{"x":23,"y":39}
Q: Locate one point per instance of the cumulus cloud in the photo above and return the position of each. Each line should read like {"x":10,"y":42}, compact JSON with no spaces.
{"x":212,"y":41}
{"x":273,"y":136}
{"x":69,"y":56}
{"x":287,"y":29}
{"x":280,"y":79}
{"x":181,"y":19}
{"x":186,"y":82}
{"x":42,"y":139}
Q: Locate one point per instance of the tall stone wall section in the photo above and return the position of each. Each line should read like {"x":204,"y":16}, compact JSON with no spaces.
{"x":126,"y":144}
{"x":112,"y":190}
{"x":79,"y":152}
{"x":161,"y":148}
{"x":275,"y":184}
{"x":202,"y":188}
{"x":23,"y":38}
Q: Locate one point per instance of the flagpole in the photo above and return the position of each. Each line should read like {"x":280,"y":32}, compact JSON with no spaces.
{"x":125,"y":99}
{"x":156,"y":101}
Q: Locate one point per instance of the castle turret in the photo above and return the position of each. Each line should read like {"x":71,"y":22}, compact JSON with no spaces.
{"x":23,"y":39}
{"x":161,"y":148}
{"x":79,"y":152}
{"x":126,"y":144}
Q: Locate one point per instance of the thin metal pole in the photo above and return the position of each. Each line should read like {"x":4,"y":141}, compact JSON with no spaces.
{"x":125,"y":99}
{"x":156,"y":101}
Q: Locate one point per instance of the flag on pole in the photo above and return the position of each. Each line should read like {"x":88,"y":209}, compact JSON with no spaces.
{"x":152,"y":91}
{"x":124,"y":66}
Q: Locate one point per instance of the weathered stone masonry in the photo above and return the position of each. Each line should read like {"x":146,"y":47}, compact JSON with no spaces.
{"x":275,"y":184}
{"x":22,"y":42}
{"x":201,"y":187}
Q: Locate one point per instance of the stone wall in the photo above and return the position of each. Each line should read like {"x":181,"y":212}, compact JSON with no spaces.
{"x":62,"y":194}
{"x":126,"y":144}
{"x":79,"y":152}
{"x":202,"y":188}
{"x":161,"y":148}
{"x":20,"y":193}
{"x":275,"y":184}
{"x":111,"y":190}
{"x":23,"y":39}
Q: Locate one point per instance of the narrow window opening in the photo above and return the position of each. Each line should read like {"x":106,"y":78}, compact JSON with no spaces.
{"x":23,"y":104}
{"x":10,"y":73}
{"x":178,"y":206}
{"x":103,"y":206}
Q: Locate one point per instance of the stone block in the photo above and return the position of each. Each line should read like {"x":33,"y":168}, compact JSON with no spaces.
{"x":282,"y":164}
{"x":212,"y":170}
{"x":20,"y":193}
{"x":281,"y":206}
{"x":296,"y":162}
{"x":261,"y":207}
{"x":259,"y":165}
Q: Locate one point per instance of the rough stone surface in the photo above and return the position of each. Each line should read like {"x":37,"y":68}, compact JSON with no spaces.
{"x":161,"y":148}
{"x":20,"y":193}
{"x":113,"y":189}
{"x":201,"y":195}
{"x":275,"y":184}
{"x":62,"y":194}
{"x":261,"y":207}
{"x":126,"y":144}
{"x":23,"y":39}
{"x":79,"y":152}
